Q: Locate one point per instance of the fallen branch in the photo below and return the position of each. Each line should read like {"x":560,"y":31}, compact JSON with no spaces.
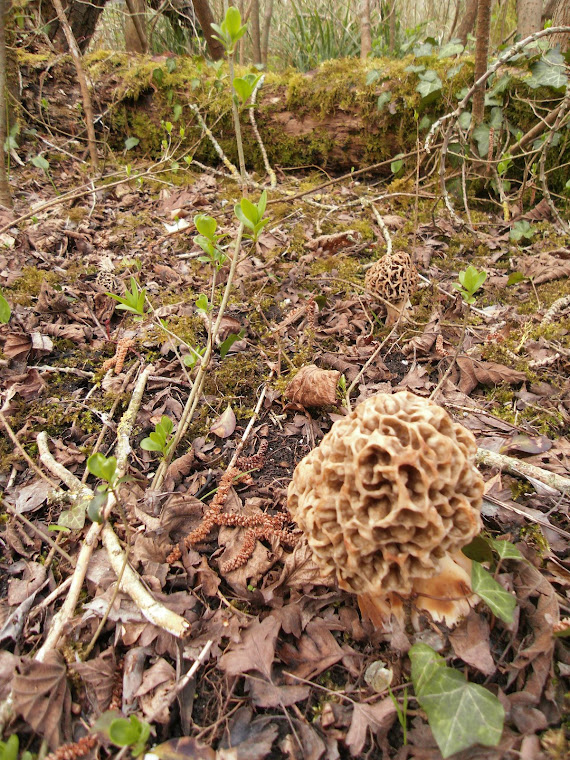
{"x":523,"y":469}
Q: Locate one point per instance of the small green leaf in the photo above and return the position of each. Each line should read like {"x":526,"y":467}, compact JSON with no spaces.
{"x":515,"y":277}
{"x":429,"y":86}
{"x":9,"y":748}
{"x":41,"y":163}
{"x":158,"y":76}
{"x":95,"y":506}
{"x":206,"y":225}
{"x":171,"y":65}
{"x":131,"y":142}
{"x":228,"y":343}
{"x":102,"y":467}
{"x":460,"y":714}
{"x":123,"y":732}
{"x":5,"y":311}
{"x":202,"y":304}
{"x":396,"y":164}
{"x":478,"y":549}
{"x":500,"y":602}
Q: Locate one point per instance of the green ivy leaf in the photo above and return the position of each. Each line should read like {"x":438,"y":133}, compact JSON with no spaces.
{"x":73,"y":518}
{"x":499,"y":601}
{"x":131,"y":142}
{"x":171,"y":65}
{"x":505,"y":549}
{"x":5,"y":310}
{"x":158,"y":76}
{"x":383,"y":99}
{"x":460,"y":714}
{"x":429,"y":86}
{"x":549,"y":71}
{"x":454,"y":47}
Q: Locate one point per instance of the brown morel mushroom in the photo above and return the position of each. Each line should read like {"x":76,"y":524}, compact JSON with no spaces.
{"x":394,"y":278}
{"x":387,"y":500}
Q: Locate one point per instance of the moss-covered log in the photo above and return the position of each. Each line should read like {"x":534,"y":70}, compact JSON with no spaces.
{"x":347,"y":113}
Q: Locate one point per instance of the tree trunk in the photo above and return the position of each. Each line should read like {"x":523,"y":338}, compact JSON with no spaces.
{"x":561,"y":17}
{"x":365,"y":34}
{"x":255,"y":32}
{"x":481,"y":56}
{"x":81,"y":78}
{"x":467,"y":23}
{"x":529,"y":17}
{"x":205,"y":18}
{"x":135,"y":27}
{"x":392,"y":28}
{"x":82,"y":18}
{"x":5,"y":195}
{"x":266,"y":26}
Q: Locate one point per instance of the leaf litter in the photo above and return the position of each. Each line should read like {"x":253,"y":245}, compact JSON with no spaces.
{"x":284,"y":673}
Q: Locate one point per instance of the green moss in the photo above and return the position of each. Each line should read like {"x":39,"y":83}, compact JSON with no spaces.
{"x":533,"y":535}
{"x":28,"y":286}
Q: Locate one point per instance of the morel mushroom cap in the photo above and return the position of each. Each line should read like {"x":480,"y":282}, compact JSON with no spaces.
{"x":395,"y":278}
{"x":390,"y":491}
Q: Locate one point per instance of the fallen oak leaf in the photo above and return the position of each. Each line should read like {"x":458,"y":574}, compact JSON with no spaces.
{"x":312,"y":386}
{"x":42,"y":698}
{"x":256,"y":650}
{"x":377,"y":717}
{"x":475,"y":372}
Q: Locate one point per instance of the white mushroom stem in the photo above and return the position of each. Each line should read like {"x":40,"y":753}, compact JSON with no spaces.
{"x":447,"y":596}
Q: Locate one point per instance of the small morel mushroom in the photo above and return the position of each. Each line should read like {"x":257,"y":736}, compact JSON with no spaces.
{"x":387,"y":500}
{"x":394,"y":278}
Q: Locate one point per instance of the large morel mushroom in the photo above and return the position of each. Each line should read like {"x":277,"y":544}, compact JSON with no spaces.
{"x":388,"y":499}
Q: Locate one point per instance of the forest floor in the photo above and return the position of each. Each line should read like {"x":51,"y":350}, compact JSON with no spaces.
{"x":283,"y":654}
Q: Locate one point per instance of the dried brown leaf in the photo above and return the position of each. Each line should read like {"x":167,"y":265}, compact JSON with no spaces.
{"x":316,"y":651}
{"x":248,"y":739}
{"x":17,"y":346}
{"x":312,"y":386}
{"x":470,"y":642}
{"x":269,"y":694}
{"x":256,"y":650}
{"x":98,"y":675}
{"x":475,"y":371}
{"x":184,"y":748}
{"x":544,"y":267}
{"x":377,"y":717}
{"x":225,"y":425}
{"x":32,"y":496}
{"x":42,"y":698}
{"x":179,"y":469}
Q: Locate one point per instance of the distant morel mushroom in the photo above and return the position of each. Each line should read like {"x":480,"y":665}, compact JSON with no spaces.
{"x":394,"y":278}
{"x":387,"y":500}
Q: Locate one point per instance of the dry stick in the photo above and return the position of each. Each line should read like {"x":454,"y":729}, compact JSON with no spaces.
{"x":217,"y":147}
{"x":194,"y":396}
{"x":370,"y":360}
{"x":110,"y":415}
{"x":85,"y":96}
{"x":81,"y":492}
{"x":25,"y":454}
{"x":382,"y":226}
{"x":561,"y":114}
{"x":268,"y":168}
{"x":447,"y":372}
{"x":49,"y":541}
{"x":522,"y":469}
